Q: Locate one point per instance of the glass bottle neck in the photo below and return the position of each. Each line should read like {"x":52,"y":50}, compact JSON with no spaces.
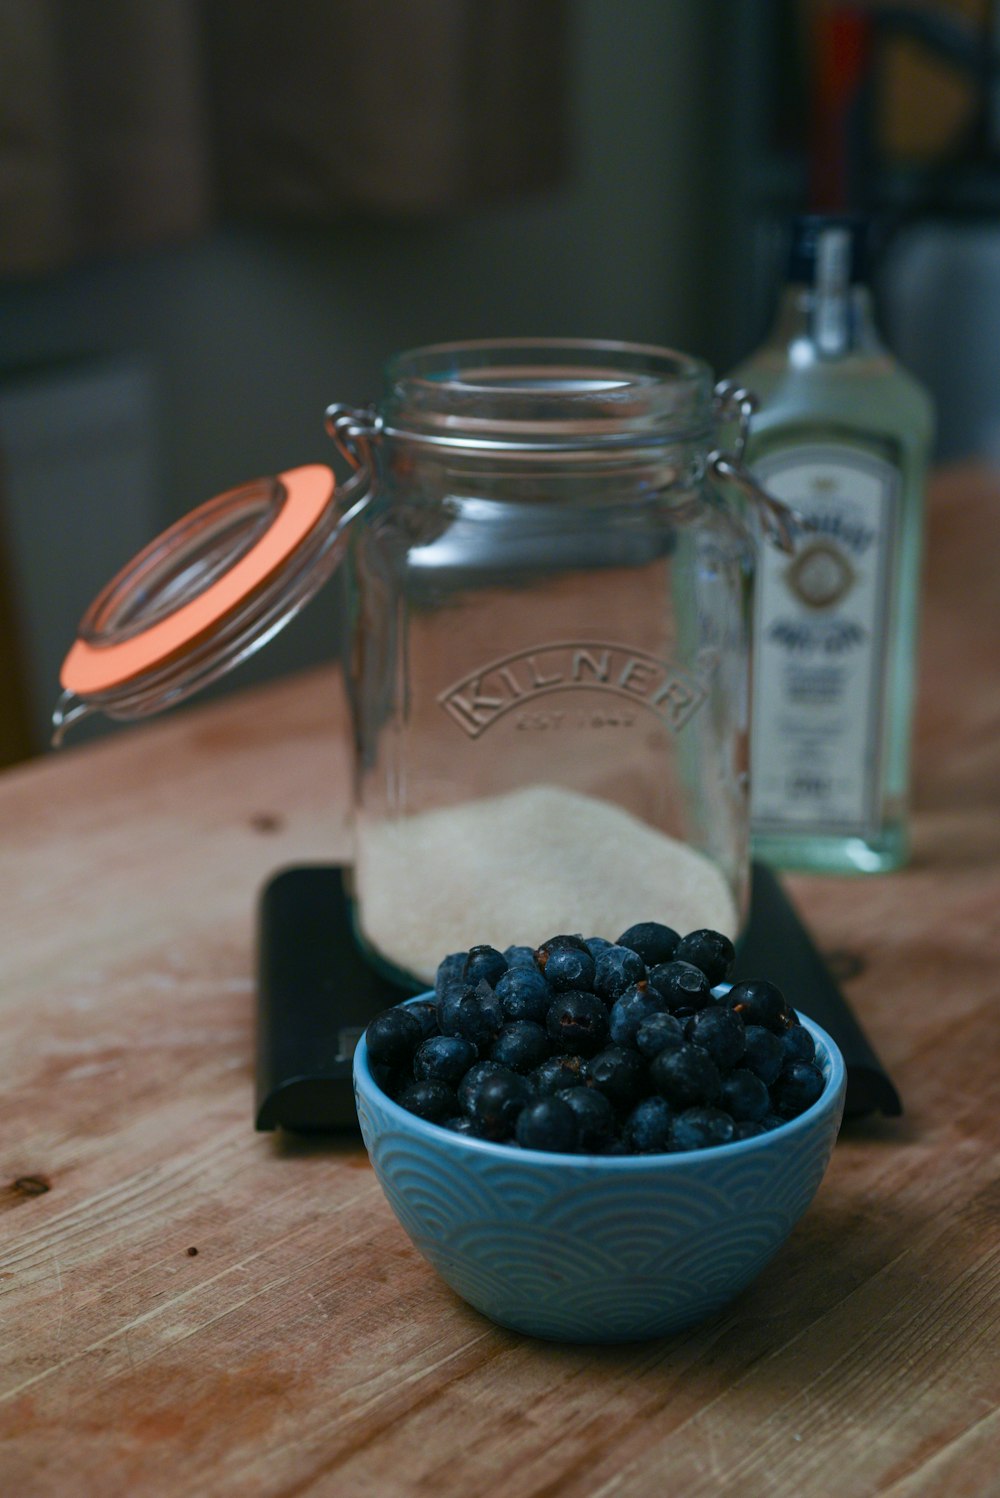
{"x":812,"y":326}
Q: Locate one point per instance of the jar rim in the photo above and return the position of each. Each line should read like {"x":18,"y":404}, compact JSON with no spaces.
{"x":546,"y":394}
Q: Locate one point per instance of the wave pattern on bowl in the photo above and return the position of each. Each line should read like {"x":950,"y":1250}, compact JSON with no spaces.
{"x":585,"y":1250}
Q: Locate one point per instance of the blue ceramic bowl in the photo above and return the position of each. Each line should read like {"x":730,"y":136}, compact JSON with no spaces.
{"x":586,"y":1248}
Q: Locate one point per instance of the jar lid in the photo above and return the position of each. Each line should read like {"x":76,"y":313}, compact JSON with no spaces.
{"x":203,"y":596}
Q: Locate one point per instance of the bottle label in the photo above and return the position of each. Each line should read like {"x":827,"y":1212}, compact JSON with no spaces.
{"x":820,"y":644}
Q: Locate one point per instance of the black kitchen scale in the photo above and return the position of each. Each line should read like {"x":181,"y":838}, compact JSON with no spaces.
{"x":316,"y":992}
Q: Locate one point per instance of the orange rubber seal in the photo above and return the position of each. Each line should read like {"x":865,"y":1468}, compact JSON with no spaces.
{"x":89,"y":670}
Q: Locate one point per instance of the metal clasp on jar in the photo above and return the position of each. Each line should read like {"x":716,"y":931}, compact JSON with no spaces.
{"x":781,"y":524}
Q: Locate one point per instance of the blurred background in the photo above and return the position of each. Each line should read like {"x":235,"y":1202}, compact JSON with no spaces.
{"x":218,"y":216}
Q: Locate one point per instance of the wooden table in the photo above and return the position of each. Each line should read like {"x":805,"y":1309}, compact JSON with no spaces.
{"x":190,"y":1308}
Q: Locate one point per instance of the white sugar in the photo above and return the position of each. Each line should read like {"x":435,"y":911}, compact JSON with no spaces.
{"x":524,"y":866}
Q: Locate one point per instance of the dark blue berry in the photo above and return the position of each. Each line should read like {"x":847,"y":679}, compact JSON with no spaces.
{"x":647,"y":1128}
{"x":468,"y":1088}
{"x":658,"y":1033}
{"x":516,"y":957}
{"x":636,"y":1004}
{"x":721,"y":1032}
{"x":524,"y":994}
{"x":484,"y":962}
{"x":653,"y":942}
{"x":798,"y":1087}
{"x":797,"y":1044}
{"x":747,"y":1128}
{"x":619,"y":1072}
{"x":567,"y":968}
{"x":764,"y":1054}
{"x":480,"y":1016}
{"x":615,"y":1146}
{"x":577,"y":1022}
{"x":556,"y":1074}
{"x":548,"y":1124}
{"x":616,"y":969}
{"x":424,"y":1011}
{"x":710,"y":951}
{"x":595,"y":1117}
{"x":499,"y":1099}
{"x":758,"y":1003}
{"x":686,"y":1077}
{"x":448,"y":1003}
{"x":575,"y":943}
{"x":522,"y":1045}
{"x":393,"y":1036}
{"x":389,"y":1078}
{"x":682,"y":985}
{"x":451,"y":969}
{"x":744,"y":1096}
{"x":596,"y":945}
{"x":431,"y":1100}
{"x":700,"y":1129}
{"x":443,"y":1058}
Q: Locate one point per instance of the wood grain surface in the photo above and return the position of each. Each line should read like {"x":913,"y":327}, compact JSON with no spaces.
{"x":190,"y":1308}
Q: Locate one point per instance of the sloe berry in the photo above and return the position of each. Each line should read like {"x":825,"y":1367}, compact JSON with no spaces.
{"x":522,"y":1045}
{"x":567,"y":968}
{"x":682,"y":985}
{"x":547,"y":1124}
{"x":595,"y":1117}
{"x":744,"y":1096}
{"x":499,"y":1100}
{"x":797,"y":1043}
{"x":468,"y":1088}
{"x":596,"y":945}
{"x":616,"y":969}
{"x":687,"y":1077}
{"x":553,"y":943}
{"x":557,"y":1074}
{"x":658,"y":1033}
{"x":758,"y":1002}
{"x":798,"y":1087}
{"x":619,"y":1072}
{"x":449,"y":970}
{"x":710,"y":951}
{"x":517,"y":957}
{"x":393,"y":1036}
{"x":721,"y":1032}
{"x":480,"y":1016}
{"x":424,"y":1011}
{"x":764,"y":1054}
{"x":443,"y":1058}
{"x":636,"y":1004}
{"x":431,"y":1100}
{"x":647,"y":1128}
{"x":524,"y":994}
{"x":484,"y":962}
{"x":577,"y":1022}
{"x":701,"y":1128}
{"x":448,"y":1004}
{"x":654,"y":942}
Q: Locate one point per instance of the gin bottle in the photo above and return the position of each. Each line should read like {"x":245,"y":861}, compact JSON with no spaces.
{"x":842,"y":435}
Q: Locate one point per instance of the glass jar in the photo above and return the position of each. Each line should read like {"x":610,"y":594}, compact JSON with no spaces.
{"x":548,"y":615}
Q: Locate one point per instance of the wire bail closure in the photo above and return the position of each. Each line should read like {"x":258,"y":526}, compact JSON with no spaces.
{"x":782,"y":525}
{"x":352,"y":429}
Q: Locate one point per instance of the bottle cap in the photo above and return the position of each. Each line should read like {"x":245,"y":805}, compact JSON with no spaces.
{"x":810,"y":231}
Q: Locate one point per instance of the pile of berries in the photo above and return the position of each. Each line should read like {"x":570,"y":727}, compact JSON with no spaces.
{"x":598,"y":1047}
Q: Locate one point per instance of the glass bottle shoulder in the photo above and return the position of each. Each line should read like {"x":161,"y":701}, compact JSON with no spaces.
{"x":872,"y":395}
{"x":862,"y":388}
